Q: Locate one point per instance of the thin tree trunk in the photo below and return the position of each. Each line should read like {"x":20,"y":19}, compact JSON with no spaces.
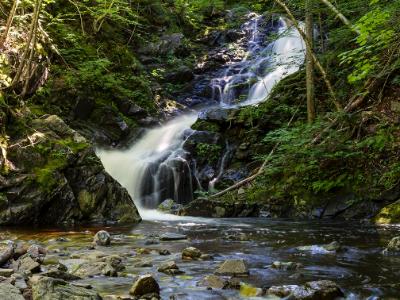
{"x":314,"y":57}
{"x":29,"y":63}
{"x":9,"y":22}
{"x":33,"y":26}
{"x":310,"y":63}
{"x":340,"y":16}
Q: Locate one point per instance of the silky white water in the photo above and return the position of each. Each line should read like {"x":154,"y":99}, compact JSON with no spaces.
{"x":160,"y":144}
{"x":156,"y":167}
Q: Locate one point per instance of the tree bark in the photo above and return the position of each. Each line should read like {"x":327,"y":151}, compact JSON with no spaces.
{"x":310,"y":63}
{"x":9,"y":22}
{"x":32,"y":32}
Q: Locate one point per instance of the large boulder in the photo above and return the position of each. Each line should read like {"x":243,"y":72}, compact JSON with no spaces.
{"x":9,"y":292}
{"x":46,"y":288}
{"x":60,"y":180}
{"x":144,"y":285}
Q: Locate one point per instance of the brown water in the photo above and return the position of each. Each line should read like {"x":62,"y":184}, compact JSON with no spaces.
{"x":361,"y":270}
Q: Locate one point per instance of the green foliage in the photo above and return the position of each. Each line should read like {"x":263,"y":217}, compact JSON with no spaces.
{"x":375,"y":36}
{"x":208,"y":152}
{"x":299,"y":169}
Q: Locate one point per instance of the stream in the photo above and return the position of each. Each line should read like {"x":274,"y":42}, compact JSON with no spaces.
{"x":360,"y":268}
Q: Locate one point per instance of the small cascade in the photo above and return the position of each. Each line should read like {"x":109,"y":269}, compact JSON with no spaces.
{"x":157,"y":167}
{"x":251,"y":80}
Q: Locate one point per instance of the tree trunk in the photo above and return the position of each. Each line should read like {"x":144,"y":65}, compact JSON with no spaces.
{"x":310,"y":63}
{"x":314,"y":57}
{"x":9,"y":22}
{"x":32,"y":32}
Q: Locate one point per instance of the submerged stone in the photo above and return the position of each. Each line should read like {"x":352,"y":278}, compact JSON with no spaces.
{"x":169,"y":236}
{"x":213,"y":281}
{"x":287,"y":266}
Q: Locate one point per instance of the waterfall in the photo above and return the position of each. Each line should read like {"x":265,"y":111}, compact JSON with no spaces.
{"x":262,"y":67}
{"x":157,"y":167}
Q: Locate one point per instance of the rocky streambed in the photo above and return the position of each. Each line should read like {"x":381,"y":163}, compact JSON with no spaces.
{"x":199,"y":258}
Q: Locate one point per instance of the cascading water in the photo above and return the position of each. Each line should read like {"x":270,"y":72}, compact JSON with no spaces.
{"x":157,"y":167}
{"x":262,"y":67}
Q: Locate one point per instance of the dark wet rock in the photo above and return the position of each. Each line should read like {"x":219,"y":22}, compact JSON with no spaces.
{"x":393,"y":246}
{"x":46,"y":288}
{"x":170,"y":206}
{"x":202,"y":207}
{"x":10,"y":292}
{"x":164,"y":252}
{"x":191,"y":253}
{"x":130,"y":109}
{"x":286,"y":266}
{"x":145,"y":284}
{"x":213,"y":281}
{"x":102,"y":238}
{"x":182,"y":75}
{"x":169,"y":236}
{"x":233,"y":267}
{"x":71,"y":188}
{"x":170,"y":268}
{"x":315,"y":290}
{"x":6,"y":252}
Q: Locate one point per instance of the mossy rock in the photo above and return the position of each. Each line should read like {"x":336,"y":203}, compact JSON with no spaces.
{"x":389,"y":214}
